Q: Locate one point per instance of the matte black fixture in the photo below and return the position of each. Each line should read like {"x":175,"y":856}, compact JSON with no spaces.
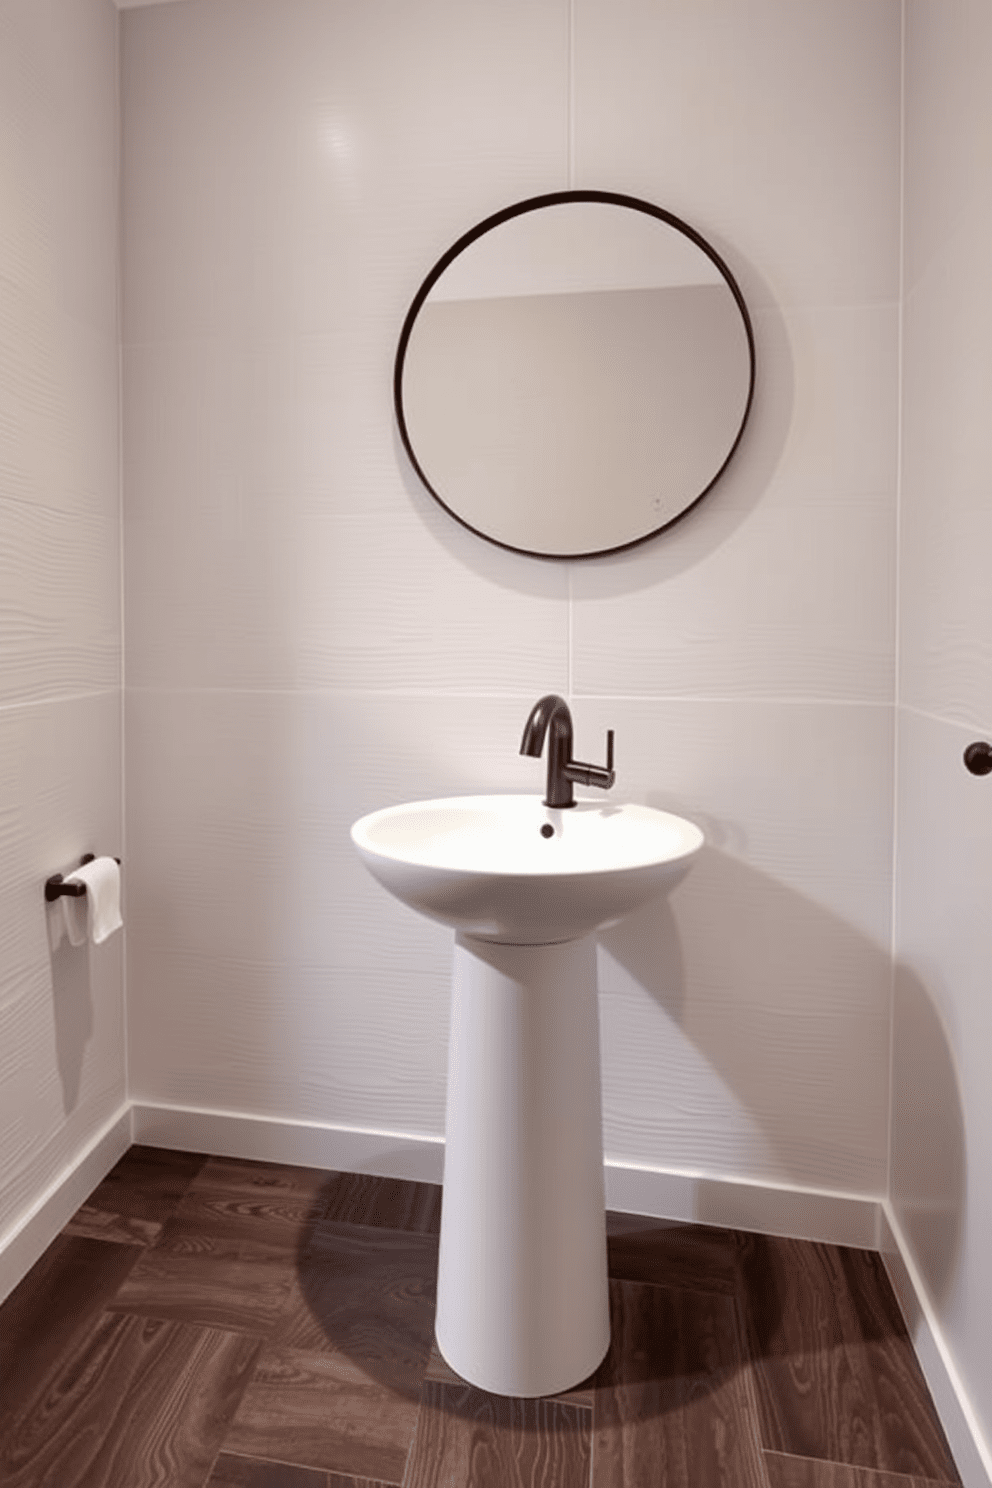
{"x":444,"y":482}
{"x":56,"y":886}
{"x":978,"y":758}
{"x":552,"y":713}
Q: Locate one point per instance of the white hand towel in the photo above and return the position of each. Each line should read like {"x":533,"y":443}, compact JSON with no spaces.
{"x":99,"y":909}
{"x":66,"y":917}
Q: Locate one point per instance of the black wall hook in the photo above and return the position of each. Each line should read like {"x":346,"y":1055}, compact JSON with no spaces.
{"x":56,"y":886}
{"x":978,"y":758}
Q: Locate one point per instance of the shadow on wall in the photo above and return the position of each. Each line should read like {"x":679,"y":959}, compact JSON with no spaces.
{"x":781,"y":1011}
{"x":928,"y":1176}
{"x":787,"y":1006}
{"x":72,"y":1007}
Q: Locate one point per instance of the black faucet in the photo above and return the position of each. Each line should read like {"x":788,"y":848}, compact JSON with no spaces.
{"x":552,"y":713}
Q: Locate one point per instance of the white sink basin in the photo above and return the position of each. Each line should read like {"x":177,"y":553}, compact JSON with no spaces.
{"x":522,"y":1288}
{"x":510,"y":869}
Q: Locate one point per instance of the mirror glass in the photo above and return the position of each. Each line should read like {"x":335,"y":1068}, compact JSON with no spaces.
{"x":574,"y":374}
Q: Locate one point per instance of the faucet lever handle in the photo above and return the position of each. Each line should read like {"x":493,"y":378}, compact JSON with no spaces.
{"x":603,"y":776}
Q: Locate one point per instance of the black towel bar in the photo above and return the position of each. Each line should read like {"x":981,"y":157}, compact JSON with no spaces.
{"x":56,"y":887}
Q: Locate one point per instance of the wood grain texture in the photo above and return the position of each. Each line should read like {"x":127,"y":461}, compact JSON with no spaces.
{"x":392,"y":1203}
{"x":325,"y":1372}
{"x":439,"y":1370}
{"x":835,"y":1371}
{"x":138,"y":1195}
{"x":672,"y":1398}
{"x":369,"y":1296}
{"x":136,"y":1401}
{"x":120,"y":1229}
{"x":228,"y":1255}
{"x":269,"y":1204}
{"x":323,"y":1411}
{"x":214,"y":1290}
{"x":57,"y":1300}
{"x":697,"y":1257}
{"x":809,"y":1472}
{"x":469,"y":1439}
{"x":251,"y":1472}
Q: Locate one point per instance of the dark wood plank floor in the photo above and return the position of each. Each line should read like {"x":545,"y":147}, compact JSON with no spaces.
{"x":208,"y":1323}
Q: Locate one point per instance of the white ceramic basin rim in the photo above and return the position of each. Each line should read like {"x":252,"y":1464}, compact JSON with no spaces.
{"x":509,"y":868}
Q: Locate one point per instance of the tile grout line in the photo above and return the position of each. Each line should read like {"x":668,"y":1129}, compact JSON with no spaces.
{"x":121,"y":545}
{"x":870,"y":1472}
{"x":894,"y":875}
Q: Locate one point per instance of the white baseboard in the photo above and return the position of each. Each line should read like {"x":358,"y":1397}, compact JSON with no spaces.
{"x":730,"y":1203}
{"x":834,"y":1218}
{"x":304,"y":1143}
{"x":971,"y":1452}
{"x":840,"y":1219}
{"x":31,"y":1235}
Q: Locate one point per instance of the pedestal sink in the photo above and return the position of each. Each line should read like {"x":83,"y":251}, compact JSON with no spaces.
{"x":522,"y":1305}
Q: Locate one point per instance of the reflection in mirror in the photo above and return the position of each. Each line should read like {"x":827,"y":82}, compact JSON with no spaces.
{"x":574,"y":374}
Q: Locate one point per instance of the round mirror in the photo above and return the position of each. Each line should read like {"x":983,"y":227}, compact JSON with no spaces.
{"x":574,"y":374}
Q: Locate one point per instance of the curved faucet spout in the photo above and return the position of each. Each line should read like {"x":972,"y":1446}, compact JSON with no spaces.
{"x":551,"y":709}
{"x":551,"y":713}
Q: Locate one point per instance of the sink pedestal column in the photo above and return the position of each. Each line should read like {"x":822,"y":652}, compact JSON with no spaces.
{"x":522,"y":1301}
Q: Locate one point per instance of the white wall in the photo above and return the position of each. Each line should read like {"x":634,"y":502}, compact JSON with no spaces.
{"x":62,"y":1065}
{"x":310,"y":637}
{"x":942,"y":1095}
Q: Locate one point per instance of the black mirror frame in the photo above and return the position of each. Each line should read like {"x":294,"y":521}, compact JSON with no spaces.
{"x":532,"y":204}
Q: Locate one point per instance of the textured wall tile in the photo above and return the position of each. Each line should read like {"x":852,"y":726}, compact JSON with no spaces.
{"x":946,"y":523}
{"x":947,"y":118}
{"x":686,"y":105}
{"x":736,"y":1012}
{"x":268,"y":971}
{"x":323,"y":156}
{"x":296,"y":425}
{"x":59,"y":379}
{"x":795,"y":601}
{"x":941,"y":1115}
{"x":59,"y":576}
{"x":403,"y":602}
{"x":59,"y":499}
{"x":61,"y":1015}
{"x":375,"y":601}
{"x":946,"y":631}
{"x":58,"y":110}
{"x":824,"y":424}
{"x":942,"y":1031}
